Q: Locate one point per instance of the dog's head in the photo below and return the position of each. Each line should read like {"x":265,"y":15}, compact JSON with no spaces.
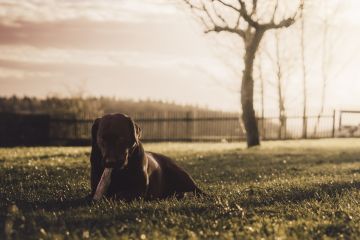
{"x":116,"y":135}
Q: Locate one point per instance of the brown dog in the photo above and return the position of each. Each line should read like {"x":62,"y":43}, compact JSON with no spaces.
{"x":120,"y":167}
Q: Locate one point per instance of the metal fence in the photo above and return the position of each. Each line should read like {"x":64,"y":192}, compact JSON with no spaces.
{"x":164,"y":126}
{"x":192,"y":126}
{"x":349,"y":123}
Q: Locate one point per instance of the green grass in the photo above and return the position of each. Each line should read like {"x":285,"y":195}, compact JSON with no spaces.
{"x":281,"y":190}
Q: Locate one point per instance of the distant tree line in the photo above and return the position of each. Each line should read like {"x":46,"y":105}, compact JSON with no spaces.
{"x":89,"y":107}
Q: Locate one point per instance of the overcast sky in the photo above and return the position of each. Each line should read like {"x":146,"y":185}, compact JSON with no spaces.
{"x":140,"y":49}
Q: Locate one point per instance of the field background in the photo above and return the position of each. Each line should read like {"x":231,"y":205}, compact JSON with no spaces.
{"x":283,"y":189}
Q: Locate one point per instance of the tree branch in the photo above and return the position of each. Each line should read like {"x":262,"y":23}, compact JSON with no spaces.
{"x":243,"y":12}
{"x":254,"y":7}
{"x":201,"y":8}
{"x":228,"y":5}
{"x":192,"y":6}
{"x":222,"y":19}
{"x":275,"y":10}
{"x":246,"y":16}
{"x":211,"y":20}
{"x":236,"y":28}
{"x":195,"y":9}
{"x":285,"y":22}
{"x":215,"y":22}
{"x":218,"y":29}
{"x":208,"y":14}
{"x":238,"y":21}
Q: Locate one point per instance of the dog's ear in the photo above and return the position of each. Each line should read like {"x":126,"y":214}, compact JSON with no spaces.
{"x":94,"y":132}
{"x":137,"y":131}
{"x":95,"y":157}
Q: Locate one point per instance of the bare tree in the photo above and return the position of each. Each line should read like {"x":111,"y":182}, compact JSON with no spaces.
{"x":280,"y":88}
{"x":304,"y":75}
{"x":326,"y":57}
{"x":262,"y":97}
{"x":283,"y":64}
{"x":249,"y":27}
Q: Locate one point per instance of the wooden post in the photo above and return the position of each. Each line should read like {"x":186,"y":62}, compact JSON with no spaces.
{"x":264,"y":128}
{"x":47,"y":127}
{"x":340,"y":120}
{"x":194,"y":124}
{"x":304,"y":127}
{"x":285,"y":129}
{"x":333,"y":129}
{"x":189,"y":126}
{"x":75,"y":128}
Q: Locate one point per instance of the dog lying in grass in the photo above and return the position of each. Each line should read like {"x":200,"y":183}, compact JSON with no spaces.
{"x":121,"y":169}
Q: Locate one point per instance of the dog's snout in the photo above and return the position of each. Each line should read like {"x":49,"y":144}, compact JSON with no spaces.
{"x":110,"y":160}
{"x":109,"y":163}
{"x":116,"y":160}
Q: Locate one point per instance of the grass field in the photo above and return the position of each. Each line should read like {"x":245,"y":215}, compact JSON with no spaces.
{"x":282,"y":190}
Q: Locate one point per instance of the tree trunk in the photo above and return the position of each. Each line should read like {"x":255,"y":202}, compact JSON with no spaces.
{"x":304,"y":133}
{"x":281,"y":97}
{"x":247,"y":89}
{"x":261,"y":78}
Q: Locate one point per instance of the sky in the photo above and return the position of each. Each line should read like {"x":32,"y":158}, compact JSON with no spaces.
{"x":150,"y":49}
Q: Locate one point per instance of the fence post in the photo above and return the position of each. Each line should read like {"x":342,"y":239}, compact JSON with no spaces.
{"x":48,"y":129}
{"x":194,"y":126}
{"x":340,"y":120}
{"x":263,"y":128}
{"x":285,"y":129}
{"x":189,"y":126}
{"x":333,"y":129}
{"x":304,"y":127}
{"x":76,"y":130}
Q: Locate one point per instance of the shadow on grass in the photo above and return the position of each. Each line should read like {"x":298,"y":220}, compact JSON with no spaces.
{"x":248,"y":160}
{"x":334,"y":230}
{"x":216,"y":208}
{"x":49,"y":205}
{"x":247,"y":167}
{"x":253,"y":197}
{"x":266,"y":197}
{"x":213,"y":208}
{"x":64,"y":155}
